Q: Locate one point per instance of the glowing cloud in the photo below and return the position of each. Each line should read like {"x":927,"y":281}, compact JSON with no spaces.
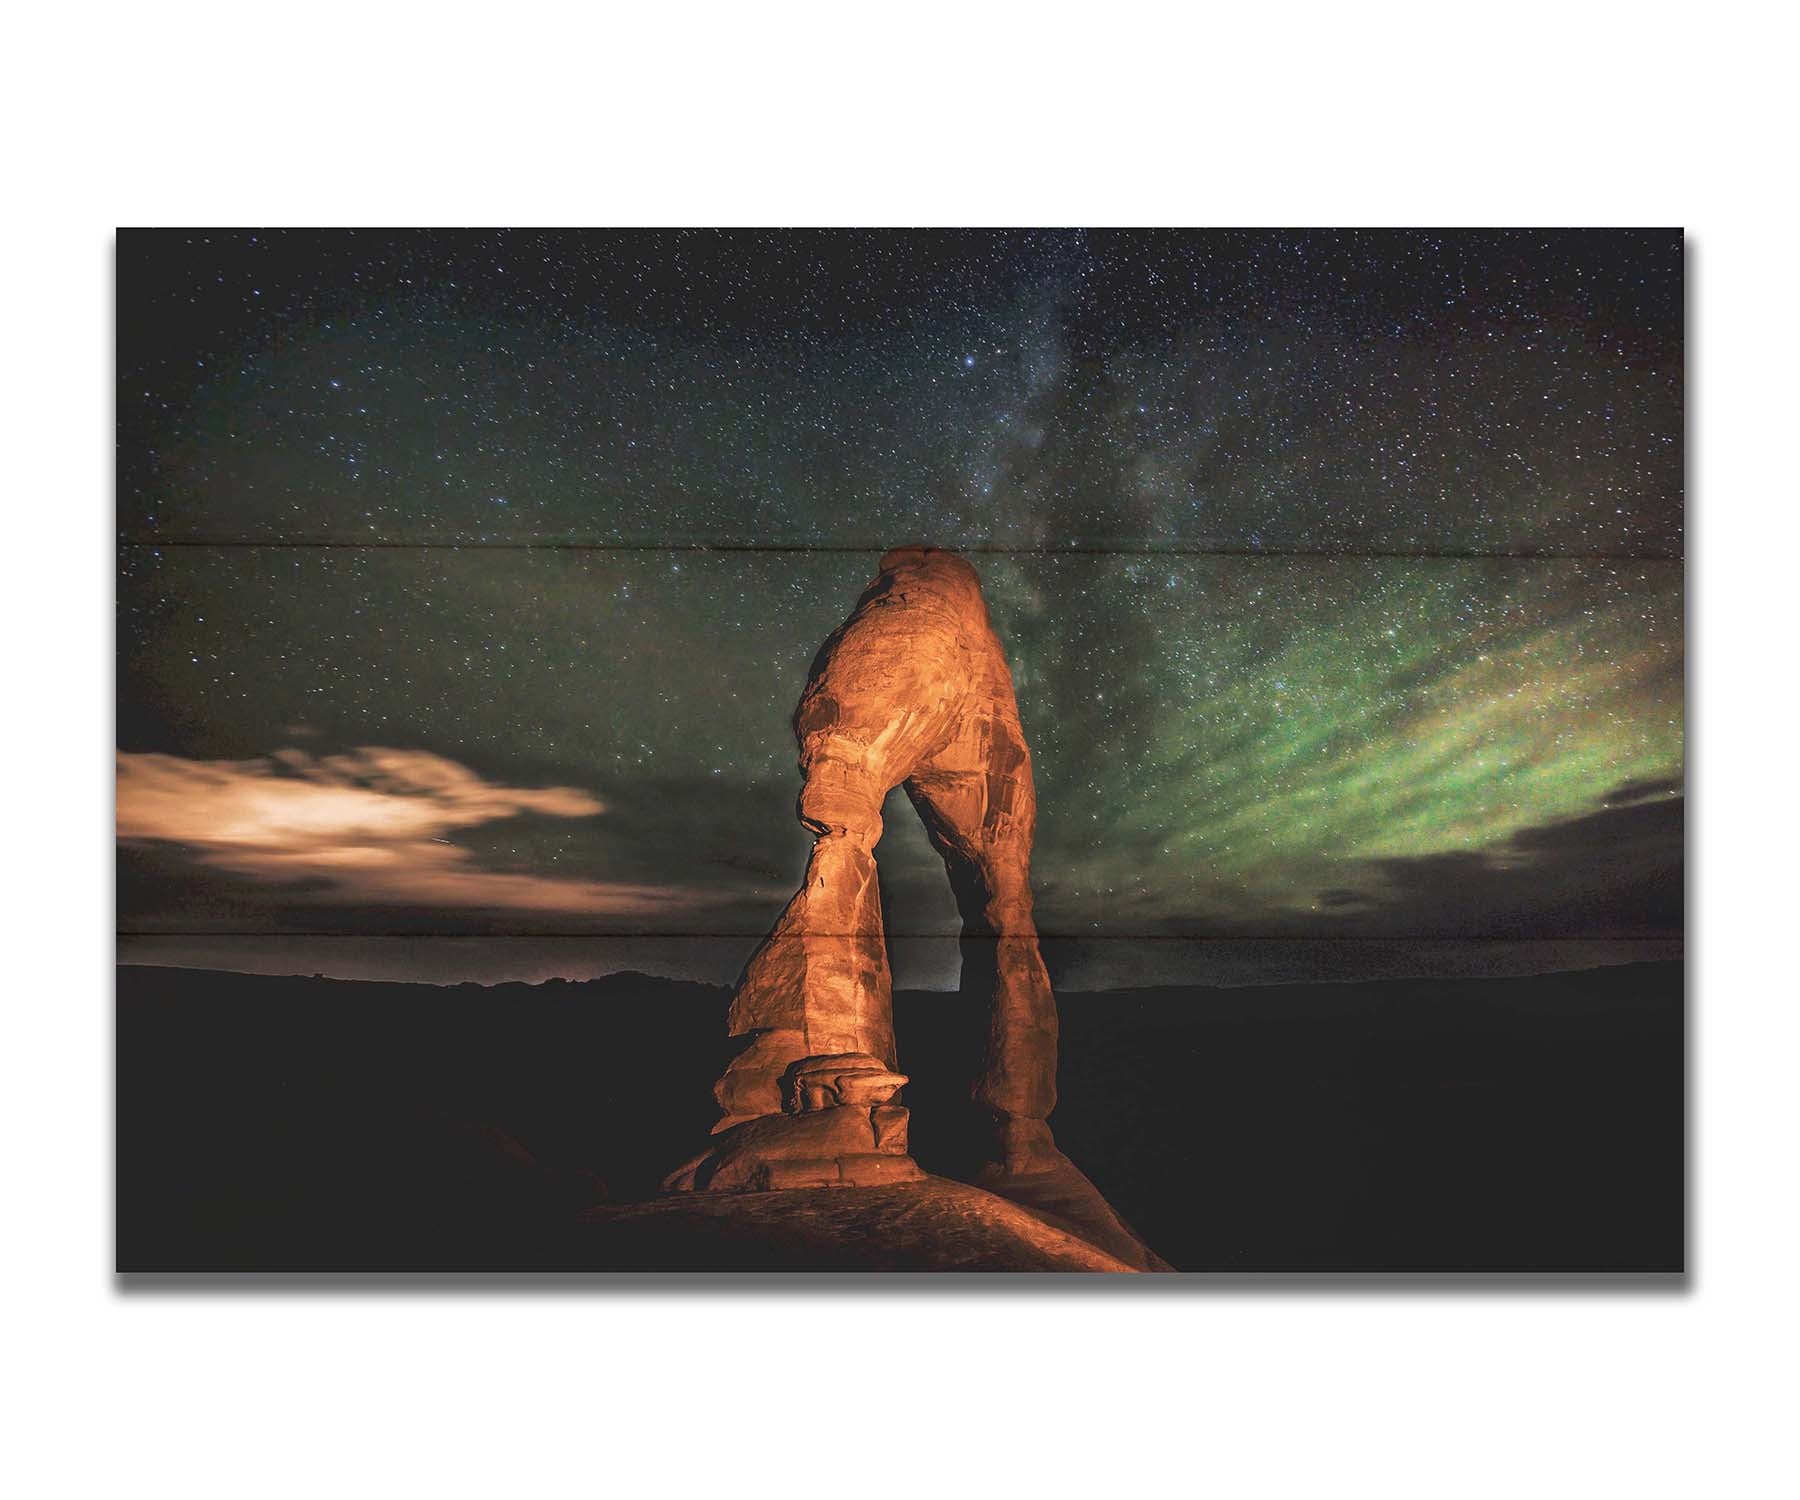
{"x":366,"y":827}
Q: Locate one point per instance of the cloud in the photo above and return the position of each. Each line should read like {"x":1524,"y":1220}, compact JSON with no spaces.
{"x":1639,"y":791}
{"x":368,"y":827}
{"x":1613,"y":871}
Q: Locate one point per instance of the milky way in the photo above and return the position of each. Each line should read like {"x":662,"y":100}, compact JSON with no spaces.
{"x":1341,"y":575}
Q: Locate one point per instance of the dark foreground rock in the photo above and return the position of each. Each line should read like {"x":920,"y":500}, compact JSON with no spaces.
{"x":928,"y":1225}
{"x":1062,"y":1196}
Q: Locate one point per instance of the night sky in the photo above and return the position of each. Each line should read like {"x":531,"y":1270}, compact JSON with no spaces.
{"x":468,"y":582}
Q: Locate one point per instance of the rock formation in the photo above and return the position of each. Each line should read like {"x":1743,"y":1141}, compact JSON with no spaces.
{"x":912,"y":690}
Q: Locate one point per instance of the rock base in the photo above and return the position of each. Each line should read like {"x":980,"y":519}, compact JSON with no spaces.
{"x":868,"y":1170}
{"x":865,"y":1146}
{"x":928,"y":1224}
{"x":1060,"y":1194}
{"x":849,"y":1146}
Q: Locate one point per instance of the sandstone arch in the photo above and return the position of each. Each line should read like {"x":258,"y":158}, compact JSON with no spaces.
{"x":912,"y":690}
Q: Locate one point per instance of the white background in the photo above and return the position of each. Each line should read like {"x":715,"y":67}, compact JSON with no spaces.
{"x":923,"y":114}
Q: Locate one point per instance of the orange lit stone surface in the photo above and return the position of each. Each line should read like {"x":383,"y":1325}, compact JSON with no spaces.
{"x":912,"y":690}
{"x":927,"y":1224}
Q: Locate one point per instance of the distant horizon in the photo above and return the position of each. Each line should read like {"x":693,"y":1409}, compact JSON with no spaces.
{"x":1231,"y":963}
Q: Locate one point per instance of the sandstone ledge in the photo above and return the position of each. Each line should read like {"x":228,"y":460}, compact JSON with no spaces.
{"x":929,"y":1225}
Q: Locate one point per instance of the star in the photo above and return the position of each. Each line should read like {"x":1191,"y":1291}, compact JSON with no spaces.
{"x":1337,"y":573}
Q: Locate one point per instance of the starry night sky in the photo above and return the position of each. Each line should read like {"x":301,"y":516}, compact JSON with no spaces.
{"x":468,"y":581}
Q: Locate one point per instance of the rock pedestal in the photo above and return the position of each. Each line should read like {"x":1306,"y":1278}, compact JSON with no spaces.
{"x":912,"y":690}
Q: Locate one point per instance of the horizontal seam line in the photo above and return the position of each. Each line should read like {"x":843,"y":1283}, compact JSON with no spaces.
{"x":834,"y":548}
{"x":1089,"y":937}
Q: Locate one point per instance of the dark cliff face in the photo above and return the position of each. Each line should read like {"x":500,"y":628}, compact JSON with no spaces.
{"x":1489,"y":1125}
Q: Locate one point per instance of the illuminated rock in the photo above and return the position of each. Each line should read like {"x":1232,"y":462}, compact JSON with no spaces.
{"x":845,"y":1146}
{"x":927,"y":1224}
{"x":912,"y":690}
{"x":851,"y":1078}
